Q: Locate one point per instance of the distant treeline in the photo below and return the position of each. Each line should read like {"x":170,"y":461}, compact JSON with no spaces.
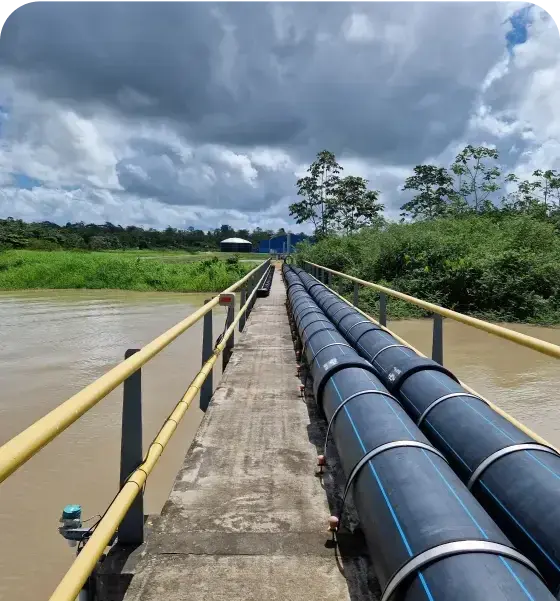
{"x":45,"y":235}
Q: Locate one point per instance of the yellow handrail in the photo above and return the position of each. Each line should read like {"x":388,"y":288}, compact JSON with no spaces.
{"x":72,"y":582}
{"x":547,"y":348}
{"x":497,"y":409}
{"x":18,"y":450}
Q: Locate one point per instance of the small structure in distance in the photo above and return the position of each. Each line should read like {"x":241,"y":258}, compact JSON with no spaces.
{"x":236,"y":245}
{"x":281,"y":243}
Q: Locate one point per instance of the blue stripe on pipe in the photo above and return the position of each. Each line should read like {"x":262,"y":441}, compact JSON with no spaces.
{"x":446,"y":482}
{"x":519,"y":581}
{"x":513,"y":440}
{"x":394,"y":516}
{"x":513,"y":518}
{"x":505,"y":509}
{"x":481,"y":530}
{"x":496,"y":427}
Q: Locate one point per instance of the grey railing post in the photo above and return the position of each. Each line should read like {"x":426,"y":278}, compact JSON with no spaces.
{"x":437,"y":339}
{"x":131,"y":529}
{"x":383,"y":309}
{"x":207,"y":350}
{"x":329,"y":279}
{"x":250,"y":288}
{"x":355,"y":296}
{"x":228,"y":350}
{"x":241,"y":304}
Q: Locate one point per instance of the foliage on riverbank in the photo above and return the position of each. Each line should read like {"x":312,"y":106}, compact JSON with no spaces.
{"x":503,"y":268}
{"x":37,"y":269}
{"x":17,"y":234}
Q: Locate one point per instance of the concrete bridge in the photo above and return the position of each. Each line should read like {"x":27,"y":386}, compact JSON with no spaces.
{"x":249,"y":513}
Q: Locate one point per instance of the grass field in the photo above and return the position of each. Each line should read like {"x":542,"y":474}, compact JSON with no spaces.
{"x":193,"y":256}
{"x":125,"y":270}
{"x":183,"y":257}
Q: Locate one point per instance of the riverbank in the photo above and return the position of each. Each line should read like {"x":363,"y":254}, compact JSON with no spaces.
{"x":173,"y":272}
{"x":498,"y":269}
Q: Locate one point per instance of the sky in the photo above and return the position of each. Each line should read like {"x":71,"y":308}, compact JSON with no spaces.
{"x":201,"y":114}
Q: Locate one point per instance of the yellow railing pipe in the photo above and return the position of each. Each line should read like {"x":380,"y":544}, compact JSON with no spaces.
{"x":18,"y":450}
{"x":84,"y":564}
{"x":497,"y":409}
{"x":547,"y":348}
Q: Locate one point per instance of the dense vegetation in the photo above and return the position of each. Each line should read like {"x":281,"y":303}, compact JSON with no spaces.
{"x":21,"y":269}
{"x":15,"y":233}
{"x":501,"y":268}
{"x":464,"y":246}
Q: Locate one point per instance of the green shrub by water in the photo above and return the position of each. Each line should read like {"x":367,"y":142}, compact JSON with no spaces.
{"x":501,"y":269}
{"x":37,"y":269}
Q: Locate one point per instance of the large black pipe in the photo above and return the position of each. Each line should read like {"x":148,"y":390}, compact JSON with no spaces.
{"x":411,"y":505}
{"x":519,"y":486}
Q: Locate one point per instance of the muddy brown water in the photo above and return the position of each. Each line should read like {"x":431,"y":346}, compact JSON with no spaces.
{"x":53,"y":343}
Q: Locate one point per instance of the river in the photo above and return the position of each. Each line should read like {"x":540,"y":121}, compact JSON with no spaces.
{"x":53,"y":343}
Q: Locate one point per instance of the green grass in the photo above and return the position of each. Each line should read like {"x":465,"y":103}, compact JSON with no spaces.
{"x":505,"y":269}
{"x":23,"y":269}
{"x":174,"y":256}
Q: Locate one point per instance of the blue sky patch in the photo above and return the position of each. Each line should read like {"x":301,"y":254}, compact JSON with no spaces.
{"x":520,"y":21}
{"x":3,"y":118}
{"x":25,"y":182}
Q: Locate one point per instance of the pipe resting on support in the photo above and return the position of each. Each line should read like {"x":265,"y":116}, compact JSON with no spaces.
{"x":516,"y":479}
{"x":428,"y":537}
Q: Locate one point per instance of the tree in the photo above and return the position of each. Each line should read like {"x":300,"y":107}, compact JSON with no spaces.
{"x":539,"y":197}
{"x":477,"y":179}
{"x":435,"y":189}
{"x":15,"y":233}
{"x":355,"y":206}
{"x":317,"y":191}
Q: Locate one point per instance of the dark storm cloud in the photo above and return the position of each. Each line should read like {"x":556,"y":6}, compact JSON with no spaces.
{"x":205,"y":176}
{"x":398,"y":86}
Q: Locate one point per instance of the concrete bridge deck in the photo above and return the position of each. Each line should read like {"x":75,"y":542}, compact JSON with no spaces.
{"x":246,"y":519}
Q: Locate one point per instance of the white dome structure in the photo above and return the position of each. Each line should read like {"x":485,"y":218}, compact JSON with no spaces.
{"x":236,"y":245}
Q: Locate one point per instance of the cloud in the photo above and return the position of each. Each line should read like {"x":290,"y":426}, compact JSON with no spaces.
{"x":197,"y":113}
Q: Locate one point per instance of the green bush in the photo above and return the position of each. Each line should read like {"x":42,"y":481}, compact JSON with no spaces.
{"x":503,"y":269}
{"x":65,"y":269}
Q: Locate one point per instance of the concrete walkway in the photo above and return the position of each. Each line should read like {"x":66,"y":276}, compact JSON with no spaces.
{"x":246,"y":519}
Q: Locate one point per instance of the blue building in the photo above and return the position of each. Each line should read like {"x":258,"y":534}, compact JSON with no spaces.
{"x":279,"y":244}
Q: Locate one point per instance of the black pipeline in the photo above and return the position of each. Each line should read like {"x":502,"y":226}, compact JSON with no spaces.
{"x":516,"y":479}
{"x":428,"y":537}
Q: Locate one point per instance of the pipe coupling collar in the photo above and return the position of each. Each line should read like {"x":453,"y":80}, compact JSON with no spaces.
{"x":514,"y":448}
{"x":446,"y":550}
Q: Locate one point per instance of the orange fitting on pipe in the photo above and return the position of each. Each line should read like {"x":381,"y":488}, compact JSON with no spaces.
{"x":333,"y":523}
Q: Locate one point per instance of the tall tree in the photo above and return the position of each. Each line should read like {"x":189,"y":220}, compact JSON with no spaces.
{"x":435,"y":189}
{"x":546,"y":188}
{"x":477,"y":176}
{"x":354,"y":205}
{"x":317,"y":191}
{"x":539,"y":197}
